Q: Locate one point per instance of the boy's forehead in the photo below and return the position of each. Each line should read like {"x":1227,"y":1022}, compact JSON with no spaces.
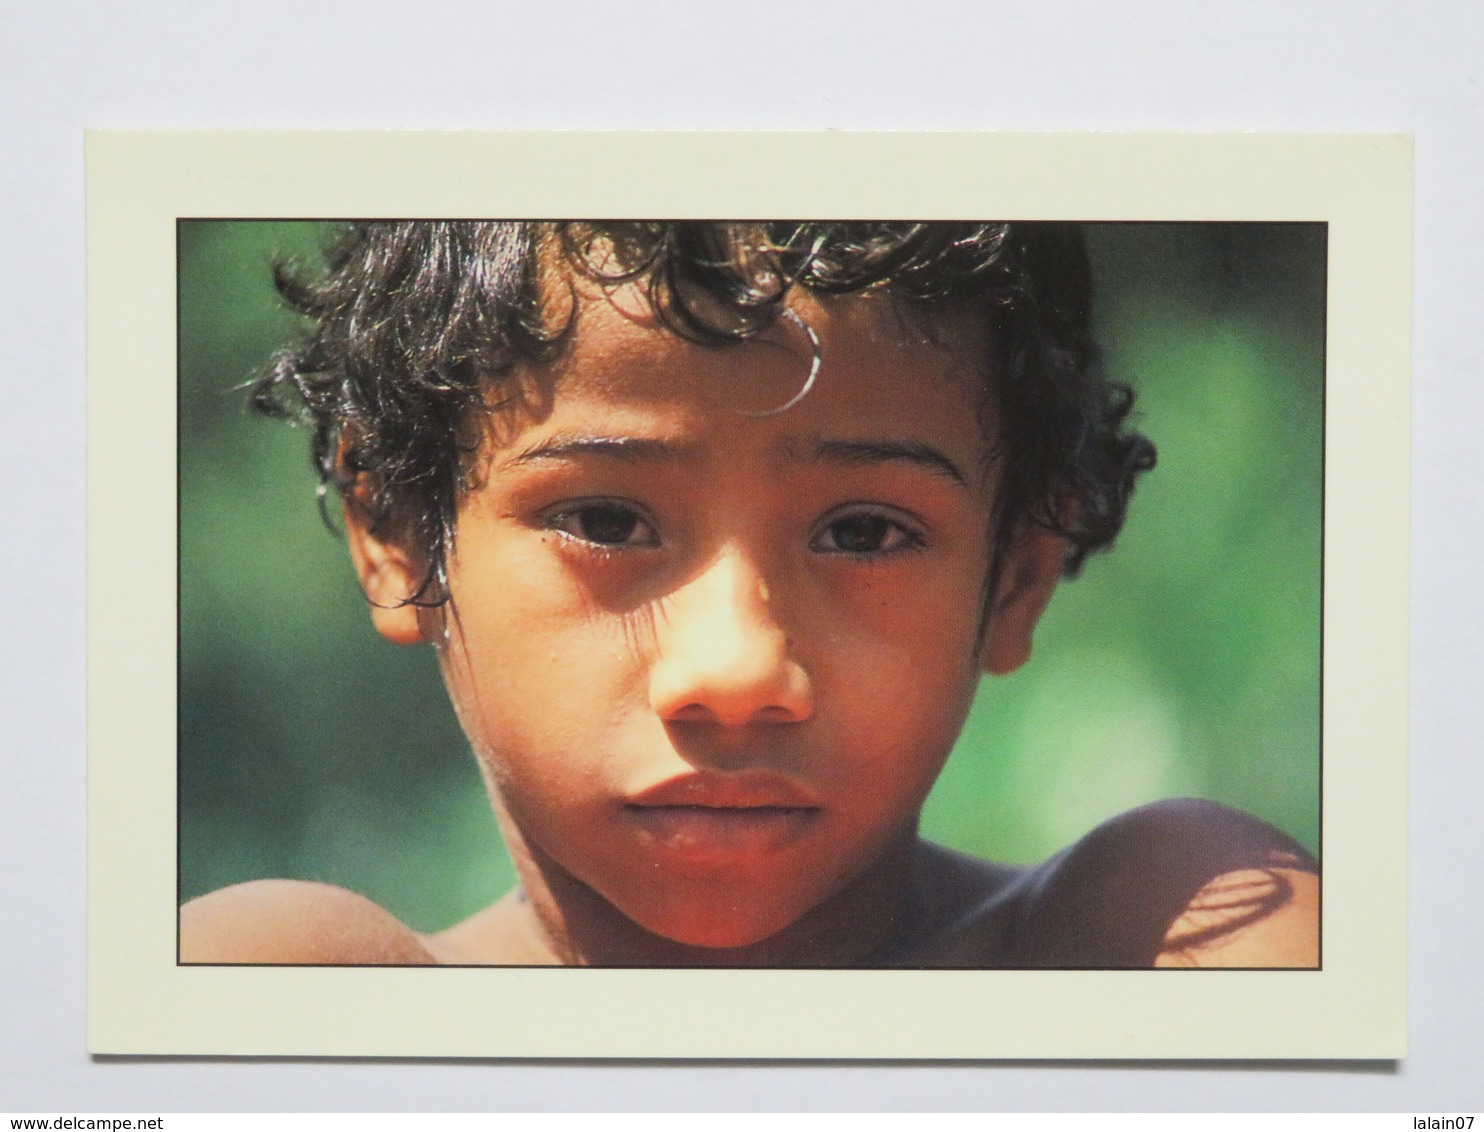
{"x":882,"y":374}
{"x":615,"y":331}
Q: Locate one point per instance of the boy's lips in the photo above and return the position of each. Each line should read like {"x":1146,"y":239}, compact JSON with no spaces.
{"x":752,"y":789}
{"x":717,"y":816}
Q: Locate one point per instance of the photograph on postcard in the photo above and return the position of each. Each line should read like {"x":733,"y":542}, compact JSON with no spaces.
{"x":722,"y":546}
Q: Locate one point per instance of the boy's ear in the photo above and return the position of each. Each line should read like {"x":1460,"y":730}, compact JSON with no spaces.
{"x":1028,"y":576}
{"x":388,"y":574}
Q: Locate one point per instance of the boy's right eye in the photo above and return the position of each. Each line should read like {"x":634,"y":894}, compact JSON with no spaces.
{"x":604,"y":523}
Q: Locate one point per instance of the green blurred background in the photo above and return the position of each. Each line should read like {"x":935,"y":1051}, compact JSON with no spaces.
{"x":1185,"y":662}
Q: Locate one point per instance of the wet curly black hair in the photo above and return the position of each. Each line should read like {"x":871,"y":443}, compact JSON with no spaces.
{"x":415,"y":323}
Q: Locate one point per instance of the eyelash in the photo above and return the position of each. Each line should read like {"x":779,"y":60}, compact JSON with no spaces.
{"x":573,"y":512}
{"x":908,"y":538}
{"x":897,"y":536}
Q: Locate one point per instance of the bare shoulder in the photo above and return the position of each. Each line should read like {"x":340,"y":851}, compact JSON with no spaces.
{"x":295,"y":922}
{"x":1266,"y":917}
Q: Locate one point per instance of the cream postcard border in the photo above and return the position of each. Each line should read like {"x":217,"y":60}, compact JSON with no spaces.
{"x":141,"y":1002}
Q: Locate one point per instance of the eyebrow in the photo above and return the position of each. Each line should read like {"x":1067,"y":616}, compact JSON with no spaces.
{"x":636,"y":449}
{"x":630,"y":449}
{"x":890,"y":451}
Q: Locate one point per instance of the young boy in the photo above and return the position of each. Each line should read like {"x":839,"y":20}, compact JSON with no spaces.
{"x":714,"y":528}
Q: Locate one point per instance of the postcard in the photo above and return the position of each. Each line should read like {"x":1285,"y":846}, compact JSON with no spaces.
{"x":573,"y":595}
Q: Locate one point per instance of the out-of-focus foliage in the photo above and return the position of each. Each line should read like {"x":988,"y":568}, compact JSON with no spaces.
{"x":1185,"y":662}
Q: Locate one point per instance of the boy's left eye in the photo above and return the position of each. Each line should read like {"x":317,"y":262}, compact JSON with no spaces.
{"x":865,"y":532}
{"x":604,"y":523}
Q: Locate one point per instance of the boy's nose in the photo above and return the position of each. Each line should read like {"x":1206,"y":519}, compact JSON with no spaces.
{"x":722,"y":657}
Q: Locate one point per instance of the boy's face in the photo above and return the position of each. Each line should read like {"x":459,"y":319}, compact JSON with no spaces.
{"x":712,"y":661}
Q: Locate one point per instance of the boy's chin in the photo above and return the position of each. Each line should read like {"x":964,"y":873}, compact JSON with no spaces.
{"x":715,"y":927}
